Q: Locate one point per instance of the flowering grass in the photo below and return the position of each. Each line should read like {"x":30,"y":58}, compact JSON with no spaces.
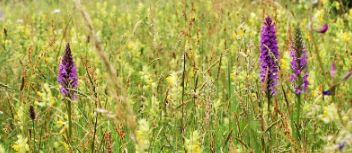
{"x":175,"y":76}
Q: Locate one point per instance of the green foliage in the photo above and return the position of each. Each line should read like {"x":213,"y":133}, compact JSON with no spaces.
{"x":190,"y":71}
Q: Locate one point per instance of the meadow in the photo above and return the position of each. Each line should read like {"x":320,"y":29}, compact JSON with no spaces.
{"x":175,"y":76}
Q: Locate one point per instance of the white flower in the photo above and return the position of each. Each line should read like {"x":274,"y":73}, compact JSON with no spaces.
{"x":19,"y":21}
{"x":56,"y":11}
{"x":329,"y":113}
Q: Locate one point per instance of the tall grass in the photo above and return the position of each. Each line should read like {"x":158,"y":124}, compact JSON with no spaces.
{"x":171,"y":76}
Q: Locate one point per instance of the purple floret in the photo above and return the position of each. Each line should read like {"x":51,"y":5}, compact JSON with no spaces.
{"x":269,"y":55}
{"x":67,"y":76}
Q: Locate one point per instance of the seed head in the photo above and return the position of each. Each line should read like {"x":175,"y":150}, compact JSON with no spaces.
{"x":31,"y":112}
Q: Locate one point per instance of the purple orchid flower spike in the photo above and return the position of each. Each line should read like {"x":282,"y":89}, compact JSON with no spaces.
{"x":67,"y":76}
{"x":323,"y":29}
{"x":269,"y":56}
{"x":299,"y":76}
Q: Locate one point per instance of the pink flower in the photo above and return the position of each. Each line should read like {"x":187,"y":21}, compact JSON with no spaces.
{"x":323,"y":29}
{"x":333,"y":69}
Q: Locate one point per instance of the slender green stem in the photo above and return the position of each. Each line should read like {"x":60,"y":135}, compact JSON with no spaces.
{"x":40,"y":136}
{"x":229,"y":85}
{"x":298,"y":114}
{"x":269,"y":104}
{"x":316,"y":51}
{"x":269,"y":116}
{"x":95,"y":131}
{"x":33,"y":127}
{"x":69,"y":114}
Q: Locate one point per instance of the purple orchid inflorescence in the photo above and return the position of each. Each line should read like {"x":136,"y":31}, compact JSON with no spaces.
{"x":269,"y":57}
{"x":67,"y":76}
{"x":299,"y":76}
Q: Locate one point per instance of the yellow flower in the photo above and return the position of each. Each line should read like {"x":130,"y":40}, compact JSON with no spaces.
{"x":65,"y":145}
{"x":154,"y":111}
{"x":142,"y":136}
{"x":337,"y":5}
{"x":284,"y":62}
{"x":147,"y":78}
{"x":2,"y":150}
{"x":20,"y":116}
{"x":192,"y":144}
{"x":319,"y":16}
{"x":325,"y":2}
{"x":329,"y":113}
{"x":21,"y":145}
{"x":172,"y":79}
{"x":346,"y":37}
{"x":47,"y":98}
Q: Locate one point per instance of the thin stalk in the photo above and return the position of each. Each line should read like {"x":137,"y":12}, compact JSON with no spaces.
{"x":298,"y":112}
{"x":69,"y":114}
{"x":269,"y":116}
{"x":262,"y":123}
{"x":33,"y":127}
{"x":95,"y":131}
{"x":229,"y":89}
{"x":183,"y":95}
{"x":268,"y":96}
{"x":96,"y":107}
{"x":261,"y":119}
{"x":316,"y":51}
{"x":41,"y":134}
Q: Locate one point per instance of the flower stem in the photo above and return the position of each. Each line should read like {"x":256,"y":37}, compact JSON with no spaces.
{"x":69,"y":114}
{"x":269,"y":116}
{"x":298,"y":113}
{"x":33,"y":135}
{"x":269,"y":104}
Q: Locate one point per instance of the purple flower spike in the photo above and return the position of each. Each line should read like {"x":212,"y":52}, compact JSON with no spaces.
{"x":67,"y":76}
{"x":299,"y":76}
{"x":269,"y":57}
{"x":323,"y":29}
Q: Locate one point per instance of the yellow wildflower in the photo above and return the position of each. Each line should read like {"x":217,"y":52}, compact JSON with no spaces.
{"x":21,"y":145}
{"x":2,"y":150}
{"x":346,"y":37}
{"x":284,"y":61}
{"x":329,"y":113}
{"x":172,"y":79}
{"x":142,"y":136}
{"x":192,"y":144}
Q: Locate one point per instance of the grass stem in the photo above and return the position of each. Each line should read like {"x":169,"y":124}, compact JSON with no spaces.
{"x":69,"y":114}
{"x":298,"y":116}
{"x":33,"y":127}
